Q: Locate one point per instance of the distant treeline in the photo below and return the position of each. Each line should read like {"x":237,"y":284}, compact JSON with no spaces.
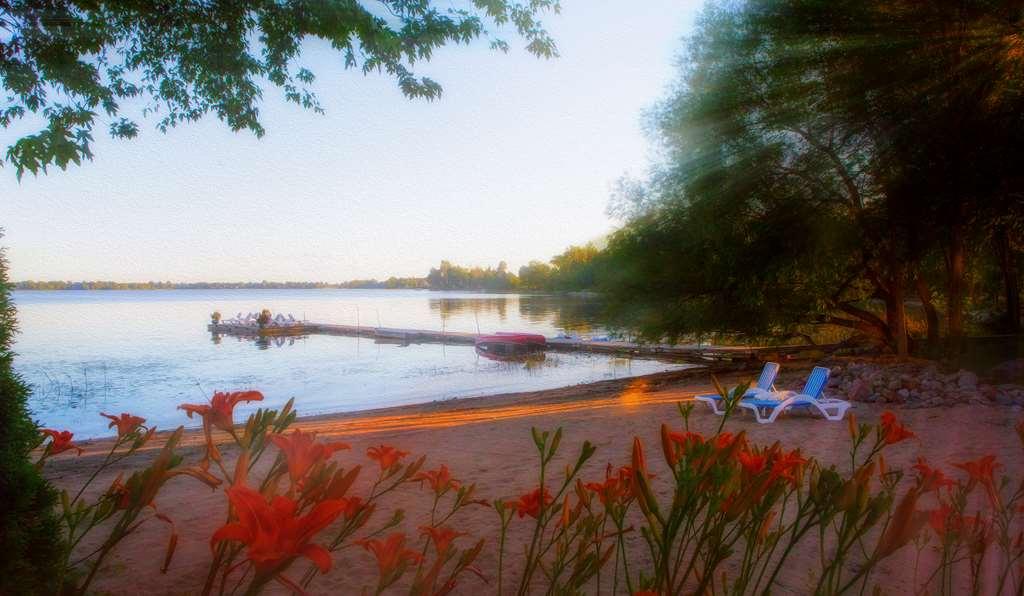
{"x":391,"y":283}
{"x":572,"y":270}
{"x":167,"y":285}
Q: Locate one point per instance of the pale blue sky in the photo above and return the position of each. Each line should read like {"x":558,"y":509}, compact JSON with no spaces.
{"x":515,"y":162}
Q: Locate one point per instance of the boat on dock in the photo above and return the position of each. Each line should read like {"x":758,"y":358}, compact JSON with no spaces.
{"x":510,"y":344}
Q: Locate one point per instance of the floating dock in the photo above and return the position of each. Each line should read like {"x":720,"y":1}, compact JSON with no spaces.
{"x":682,"y":353}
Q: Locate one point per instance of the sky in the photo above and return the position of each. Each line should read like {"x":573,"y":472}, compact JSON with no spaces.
{"x":515,"y":162}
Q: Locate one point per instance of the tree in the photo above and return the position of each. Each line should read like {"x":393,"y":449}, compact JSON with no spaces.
{"x":28,"y":528}
{"x":818,"y":157}
{"x":536,"y":275}
{"x":63,"y":63}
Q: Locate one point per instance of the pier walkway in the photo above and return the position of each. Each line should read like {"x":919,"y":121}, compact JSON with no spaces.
{"x":684,"y":353}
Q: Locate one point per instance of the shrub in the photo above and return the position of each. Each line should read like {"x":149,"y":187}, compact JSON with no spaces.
{"x":28,"y":529}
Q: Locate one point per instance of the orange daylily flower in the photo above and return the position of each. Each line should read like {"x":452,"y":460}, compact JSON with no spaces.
{"x":441,"y":537}
{"x":725,"y":440}
{"x":440,"y":480}
{"x":892,"y":431}
{"x":939,"y":519}
{"x":687,"y":439}
{"x":391,"y":553}
{"x":119,"y":493}
{"x":272,"y":532}
{"x":615,"y":488}
{"x":751,"y":462}
{"x":530,"y":503}
{"x":302,"y":452}
{"x":60,"y":441}
{"x":930,"y":478}
{"x":125,"y":423}
{"x":385,"y":455}
{"x":788,"y":467}
{"x":220,"y":411}
{"x":981,"y":472}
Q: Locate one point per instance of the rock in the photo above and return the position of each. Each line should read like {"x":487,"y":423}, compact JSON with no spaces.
{"x":967,"y":380}
{"x":858,"y":390}
{"x":915,"y":384}
{"x":1011,"y":370}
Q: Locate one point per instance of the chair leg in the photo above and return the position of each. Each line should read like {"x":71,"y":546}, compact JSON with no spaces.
{"x":840,"y":410}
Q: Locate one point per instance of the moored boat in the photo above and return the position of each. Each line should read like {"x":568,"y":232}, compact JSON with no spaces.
{"x":509,"y":344}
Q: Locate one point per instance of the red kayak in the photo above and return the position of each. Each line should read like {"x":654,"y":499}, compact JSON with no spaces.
{"x":510,"y":343}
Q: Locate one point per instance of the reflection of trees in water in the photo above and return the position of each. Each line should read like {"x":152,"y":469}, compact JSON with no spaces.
{"x":570,"y":312}
{"x":449,"y":307}
{"x":573,"y":313}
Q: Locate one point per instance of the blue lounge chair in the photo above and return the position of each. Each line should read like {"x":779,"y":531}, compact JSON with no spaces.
{"x":767,"y":407}
{"x":765,"y":385}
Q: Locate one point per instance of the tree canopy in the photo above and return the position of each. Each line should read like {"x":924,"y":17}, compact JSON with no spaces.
{"x":824,"y":162}
{"x":71,"y":65}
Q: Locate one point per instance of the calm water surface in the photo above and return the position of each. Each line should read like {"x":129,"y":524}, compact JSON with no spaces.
{"x":145,"y":352}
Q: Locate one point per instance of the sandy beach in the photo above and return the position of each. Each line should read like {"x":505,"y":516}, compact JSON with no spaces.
{"x":487,"y":441}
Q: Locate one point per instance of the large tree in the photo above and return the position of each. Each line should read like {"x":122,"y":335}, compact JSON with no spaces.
{"x":819,"y":156}
{"x":69,"y":65}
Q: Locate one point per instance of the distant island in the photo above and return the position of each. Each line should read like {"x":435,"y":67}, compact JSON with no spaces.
{"x":573,"y":270}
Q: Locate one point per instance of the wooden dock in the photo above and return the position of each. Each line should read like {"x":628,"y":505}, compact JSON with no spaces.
{"x":737,"y":355}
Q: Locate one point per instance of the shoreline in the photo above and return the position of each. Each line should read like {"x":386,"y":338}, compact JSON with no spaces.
{"x":407,"y":413}
{"x":486,"y":441}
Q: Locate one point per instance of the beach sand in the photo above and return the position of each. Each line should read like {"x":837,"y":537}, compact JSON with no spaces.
{"x":487,"y":441}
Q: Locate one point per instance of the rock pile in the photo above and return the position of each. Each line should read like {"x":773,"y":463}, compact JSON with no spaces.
{"x":915,"y":384}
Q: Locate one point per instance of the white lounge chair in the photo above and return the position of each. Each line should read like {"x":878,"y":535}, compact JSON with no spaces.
{"x":767,"y":407}
{"x":765,"y":385}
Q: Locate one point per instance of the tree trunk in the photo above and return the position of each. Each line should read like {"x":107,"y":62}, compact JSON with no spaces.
{"x":956,"y":265}
{"x":1011,"y":279}
{"x":895,"y":309}
{"x":889,"y":288}
{"x":924,"y":293}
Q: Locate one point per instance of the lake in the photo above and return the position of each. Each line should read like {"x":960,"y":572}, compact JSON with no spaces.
{"x":145,"y":352}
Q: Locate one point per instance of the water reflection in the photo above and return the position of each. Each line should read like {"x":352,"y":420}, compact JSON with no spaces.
{"x":577,"y":313}
{"x":262,"y":342}
{"x":447,"y":308}
{"x":573,"y":312}
{"x":158,"y":352}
